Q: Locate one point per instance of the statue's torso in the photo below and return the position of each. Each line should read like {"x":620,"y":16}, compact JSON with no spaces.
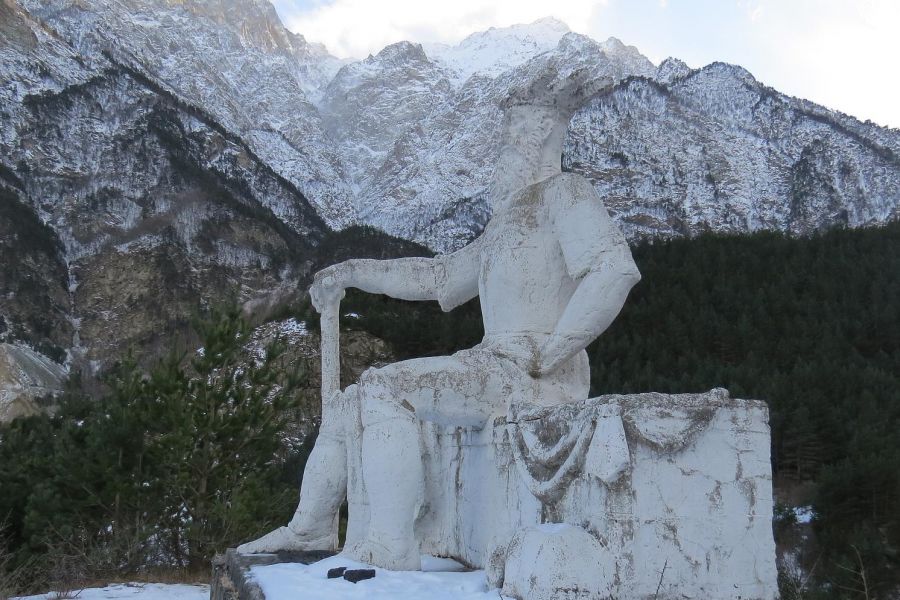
{"x":523,"y":282}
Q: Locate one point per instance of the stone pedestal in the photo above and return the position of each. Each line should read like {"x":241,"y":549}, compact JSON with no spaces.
{"x":676,"y":489}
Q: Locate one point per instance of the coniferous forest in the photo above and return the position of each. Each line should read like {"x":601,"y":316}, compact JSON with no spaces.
{"x":811,"y":325}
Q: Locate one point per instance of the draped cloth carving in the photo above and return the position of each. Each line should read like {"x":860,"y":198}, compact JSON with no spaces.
{"x":553,"y":446}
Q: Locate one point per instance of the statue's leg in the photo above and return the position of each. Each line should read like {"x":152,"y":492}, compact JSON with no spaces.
{"x":392,"y":472}
{"x":323,"y":490}
{"x":314,"y":525}
{"x":448,"y":390}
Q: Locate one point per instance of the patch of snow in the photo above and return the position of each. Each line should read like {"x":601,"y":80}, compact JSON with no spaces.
{"x":440,"y":564}
{"x":441,"y":580}
{"x":293,"y":326}
{"x":136,"y":591}
{"x":804,"y":514}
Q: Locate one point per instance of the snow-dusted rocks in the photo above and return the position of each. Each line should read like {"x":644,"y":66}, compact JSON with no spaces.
{"x":433,"y":185}
{"x":370,"y":104}
{"x":125,"y":203}
{"x":233,"y":60}
{"x":713,"y":149}
{"x":26,"y":377}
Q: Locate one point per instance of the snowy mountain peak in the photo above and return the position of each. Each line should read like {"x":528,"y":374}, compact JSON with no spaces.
{"x":498,"y":49}
{"x":614,"y":44}
{"x":728,"y":70}
{"x":671,"y":70}
{"x":399,"y":52}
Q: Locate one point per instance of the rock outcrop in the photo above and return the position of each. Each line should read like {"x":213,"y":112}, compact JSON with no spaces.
{"x":28,"y":381}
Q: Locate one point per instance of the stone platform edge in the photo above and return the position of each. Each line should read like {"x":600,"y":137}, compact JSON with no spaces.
{"x":231,"y":578}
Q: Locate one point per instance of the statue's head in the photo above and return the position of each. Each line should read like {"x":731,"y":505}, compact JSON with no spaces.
{"x":535,"y":118}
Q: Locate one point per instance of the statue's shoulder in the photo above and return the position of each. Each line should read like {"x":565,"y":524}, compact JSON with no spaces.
{"x":570,"y":186}
{"x":569,"y":190}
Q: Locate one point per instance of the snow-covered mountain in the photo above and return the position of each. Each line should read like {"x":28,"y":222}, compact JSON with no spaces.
{"x":497,"y":50}
{"x":198,"y":149}
{"x":712,"y":149}
{"x":235,"y":61}
{"x":404,"y":140}
{"x":122,"y":206}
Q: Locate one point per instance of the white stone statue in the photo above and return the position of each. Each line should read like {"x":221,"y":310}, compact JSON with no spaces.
{"x":496,"y":456}
{"x":551,"y":270}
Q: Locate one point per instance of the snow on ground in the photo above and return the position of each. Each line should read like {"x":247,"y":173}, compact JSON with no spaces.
{"x":135,"y":591}
{"x":440,"y":579}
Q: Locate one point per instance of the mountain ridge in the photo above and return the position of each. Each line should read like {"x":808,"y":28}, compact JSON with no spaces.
{"x":203,"y":140}
{"x":371,"y":123}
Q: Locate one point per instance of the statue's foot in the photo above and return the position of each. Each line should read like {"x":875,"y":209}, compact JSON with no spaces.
{"x":285,"y":539}
{"x":394,"y":555}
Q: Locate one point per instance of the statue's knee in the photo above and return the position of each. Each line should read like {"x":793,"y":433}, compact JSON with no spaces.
{"x":381,"y":409}
{"x":378,"y":408}
{"x":371,"y":377}
{"x":380,"y":382}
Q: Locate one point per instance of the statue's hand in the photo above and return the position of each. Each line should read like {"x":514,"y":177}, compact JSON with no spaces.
{"x":549,"y":357}
{"x":328,"y":286}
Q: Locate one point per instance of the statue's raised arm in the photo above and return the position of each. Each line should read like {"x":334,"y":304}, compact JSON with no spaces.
{"x":451,"y":279}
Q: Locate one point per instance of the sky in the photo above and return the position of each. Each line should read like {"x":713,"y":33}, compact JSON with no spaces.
{"x":844,"y":54}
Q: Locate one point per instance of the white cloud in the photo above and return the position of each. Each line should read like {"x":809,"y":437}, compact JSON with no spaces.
{"x":839,"y":53}
{"x":356,"y":28}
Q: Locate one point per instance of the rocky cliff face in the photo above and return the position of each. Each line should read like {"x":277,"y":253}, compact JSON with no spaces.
{"x":161,"y":209}
{"x":237,"y":62}
{"x":714,"y":150}
{"x":431,"y":186}
{"x":123,"y":208}
{"x":404,"y":140}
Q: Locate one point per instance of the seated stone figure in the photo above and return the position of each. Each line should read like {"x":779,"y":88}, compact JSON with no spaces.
{"x":552,"y":272}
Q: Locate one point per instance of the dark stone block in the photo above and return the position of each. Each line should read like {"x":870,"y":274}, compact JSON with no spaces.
{"x":336,"y":572}
{"x":355,"y":575}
